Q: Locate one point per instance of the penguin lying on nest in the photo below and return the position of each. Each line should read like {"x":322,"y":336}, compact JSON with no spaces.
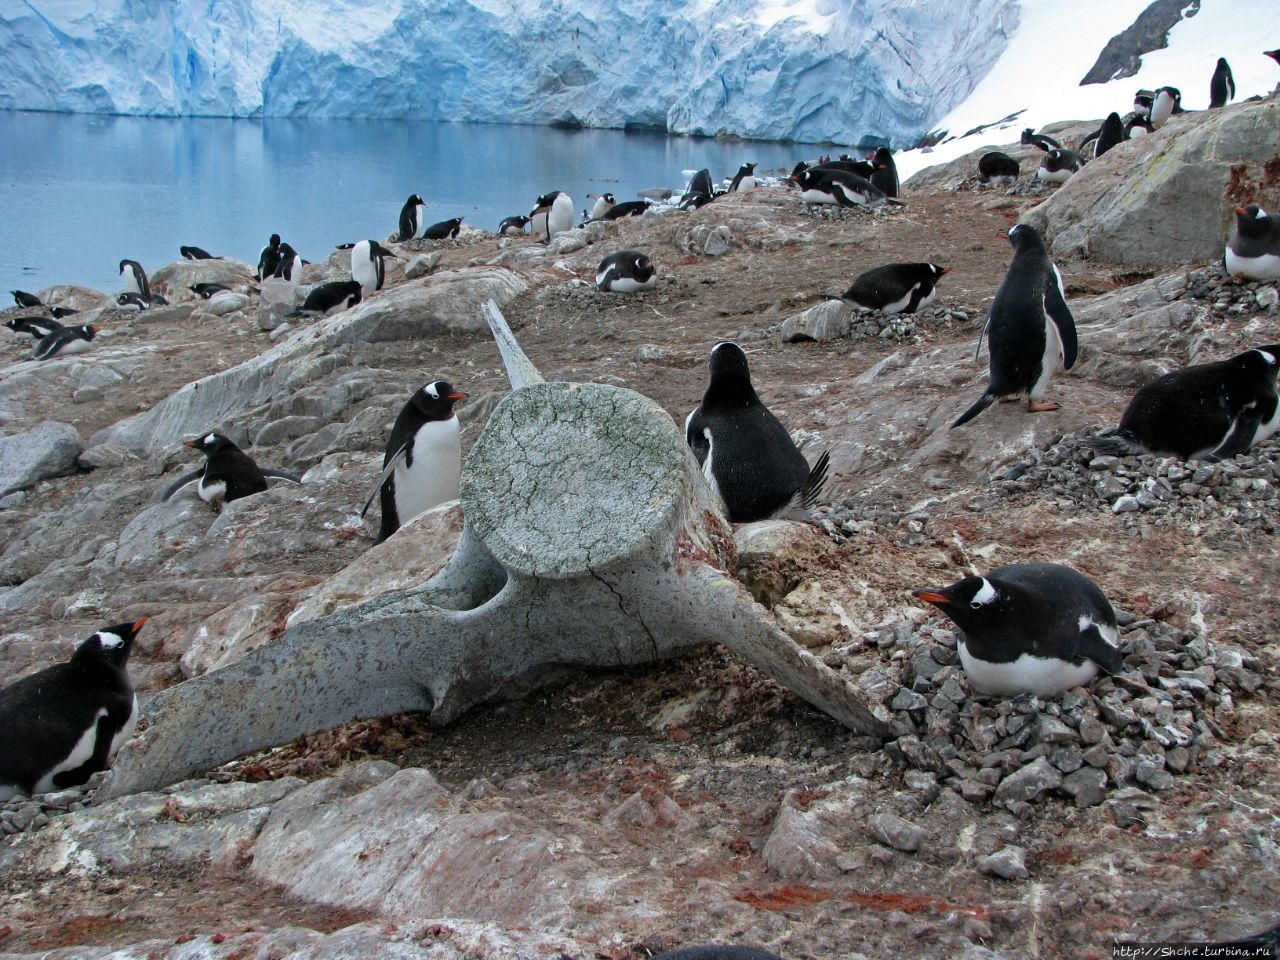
{"x":65,"y":723}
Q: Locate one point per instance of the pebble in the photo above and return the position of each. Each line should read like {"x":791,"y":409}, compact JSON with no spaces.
{"x":893,"y":831}
{"x":1008,"y":863}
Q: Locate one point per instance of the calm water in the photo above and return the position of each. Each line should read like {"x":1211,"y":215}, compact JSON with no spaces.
{"x":79,"y":193}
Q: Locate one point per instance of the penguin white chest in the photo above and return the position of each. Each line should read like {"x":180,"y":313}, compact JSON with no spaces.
{"x":211,"y":491}
{"x":1043,"y":676}
{"x":432,"y":477}
{"x":365,"y":273}
{"x":1265,"y":267}
{"x":560,"y":217}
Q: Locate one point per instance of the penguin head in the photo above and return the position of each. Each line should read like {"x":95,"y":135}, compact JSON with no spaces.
{"x":1264,"y":359}
{"x":938,"y":270}
{"x":544,"y":202}
{"x":882,"y":157}
{"x":971,"y":603}
{"x":112,"y":644}
{"x":643,"y":267}
{"x":210,"y":443}
{"x":415,"y":200}
{"x":435,"y":401}
{"x":1023,"y":237}
{"x":1252,"y":220}
{"x":274,"y":241}
{"x":87,"y":331}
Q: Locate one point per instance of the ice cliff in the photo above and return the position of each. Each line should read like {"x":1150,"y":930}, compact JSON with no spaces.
{"x":809,"y":70}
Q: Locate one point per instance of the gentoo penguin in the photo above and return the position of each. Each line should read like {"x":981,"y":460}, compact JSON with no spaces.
{"x":24,"y":299}
{"x":840,"y":187}
{"x":1254,"y":249}
{"x":1222,"y":87}
{"x":206,"y":290}
{"x":602,"y":205}
{"x":1041,"y":140}
{"x":37,"y":327}
{"x":228,"y":472}
{"x":1168,"y":101}
{"x":135,"y":278}
{"x":412,"y":218}
{"x":367,"y":268}
{"x":716,"y":951}
{"x":626,"y":271}
{"x":845,"y":162}
{"x":195,"y":253}
{"x":1136,"y":126}
{"x":1207,"y":411}
{"x":1142,"y":101}
{"x":1112,"y":132}
{"x":132,"y":301}
{"x":1038,"y":628}
{"x":65,"y":723}
{"x":65,"y":341}
{"x":423,"y":459}
{"x":699,"y":192}
{"x":1032,"y":332}
{"x":325,"y":296}
{"x":513,"y":226}
{"x":61,"y":313}
{"x":1273,"y":54}
{"x":269,"y":258}
{"x":289,"y":266}
{"x":746,"y":455}
{"x":885,"y":172}
{"x":998,"y":168}
{"x":895,"y":287}
{"x":1058,"y":166}
{"x":628,"y":208}
{"x":552,"y":214}
{"x":444,"y":230}
{"x":743,"y":180}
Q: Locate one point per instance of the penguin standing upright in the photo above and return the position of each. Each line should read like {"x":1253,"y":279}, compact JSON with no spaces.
{"x":699,"y":192}
{"x":1254,"y":249}
{"x":552,"y":214}
{"x":895,"y":287}
{"x":367,"y":268}
{"x":745,"y":453}
{"x":627,"y":271}
{"x":65,"y":723}
{"x":228,"y":472}
{"x":289,"y":266}
{"x":269,"y":258}
{"x":1032,"y":331}
{"x":135,"y":279}
{"x":1038,"y":628}
{"x":423,"y":460}
{"x":744,"y":179}
{"x":884,"y":174}
{"x":65,"y":341}
{"x":1208,"y":411}
{"x":1222,"y":86}
{"x":1167,"y":102}
{"x":412,"y":217}
{"x":1112,"y":132}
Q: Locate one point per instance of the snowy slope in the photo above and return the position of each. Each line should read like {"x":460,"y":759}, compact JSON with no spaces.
{"x":809,"y":70}
{"x":1039,"y":72}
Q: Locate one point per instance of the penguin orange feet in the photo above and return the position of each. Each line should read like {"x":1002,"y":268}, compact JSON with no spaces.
{"x":1011,"y":398}
{"x":1041,"y":406}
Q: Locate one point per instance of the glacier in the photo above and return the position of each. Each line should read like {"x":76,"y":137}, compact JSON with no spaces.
{"x":815,"y":71}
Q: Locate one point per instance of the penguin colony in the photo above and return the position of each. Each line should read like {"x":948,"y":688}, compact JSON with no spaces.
{"x":1039,"y":628}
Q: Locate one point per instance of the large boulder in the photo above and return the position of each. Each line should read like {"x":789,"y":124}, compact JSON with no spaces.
{"x":1168,"y":198}
{"x":48,"y":450}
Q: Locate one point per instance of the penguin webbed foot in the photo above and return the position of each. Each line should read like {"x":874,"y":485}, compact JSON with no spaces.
{"x":1041,"y":406}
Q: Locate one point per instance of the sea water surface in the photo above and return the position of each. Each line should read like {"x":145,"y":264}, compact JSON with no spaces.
{"x":79,"y":193}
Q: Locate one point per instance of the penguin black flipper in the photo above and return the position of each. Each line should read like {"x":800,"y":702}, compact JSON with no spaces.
{"x":1055,"y":305}
{"x":986,"y":325}
{"x":181,"y":482}
{"x":393,"y":461}
{"x":984,"y":401}
{"x":281,"y":475}
{"x":695,"y":437}
{"x":817,"y":479}
{"x":1243,"y":430}
{"x":1094,"y":646}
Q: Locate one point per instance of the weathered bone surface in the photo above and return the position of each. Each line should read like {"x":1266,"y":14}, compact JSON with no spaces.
{"x":591,"y":539}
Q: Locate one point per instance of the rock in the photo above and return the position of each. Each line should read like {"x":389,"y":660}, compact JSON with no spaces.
{"x":1165,"y":198}
{"x":798,"y":847}
{"x":47,"y":450}
{"x":1006,"y":863}
{"x":895,"y":832}
{"x":176,"y":279}
{"x":279,"y":298}
{"x":1087,"y":785}
{"x":829,"y":320}
{"x":1027,"y":783}
{"x":422,"y":264}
